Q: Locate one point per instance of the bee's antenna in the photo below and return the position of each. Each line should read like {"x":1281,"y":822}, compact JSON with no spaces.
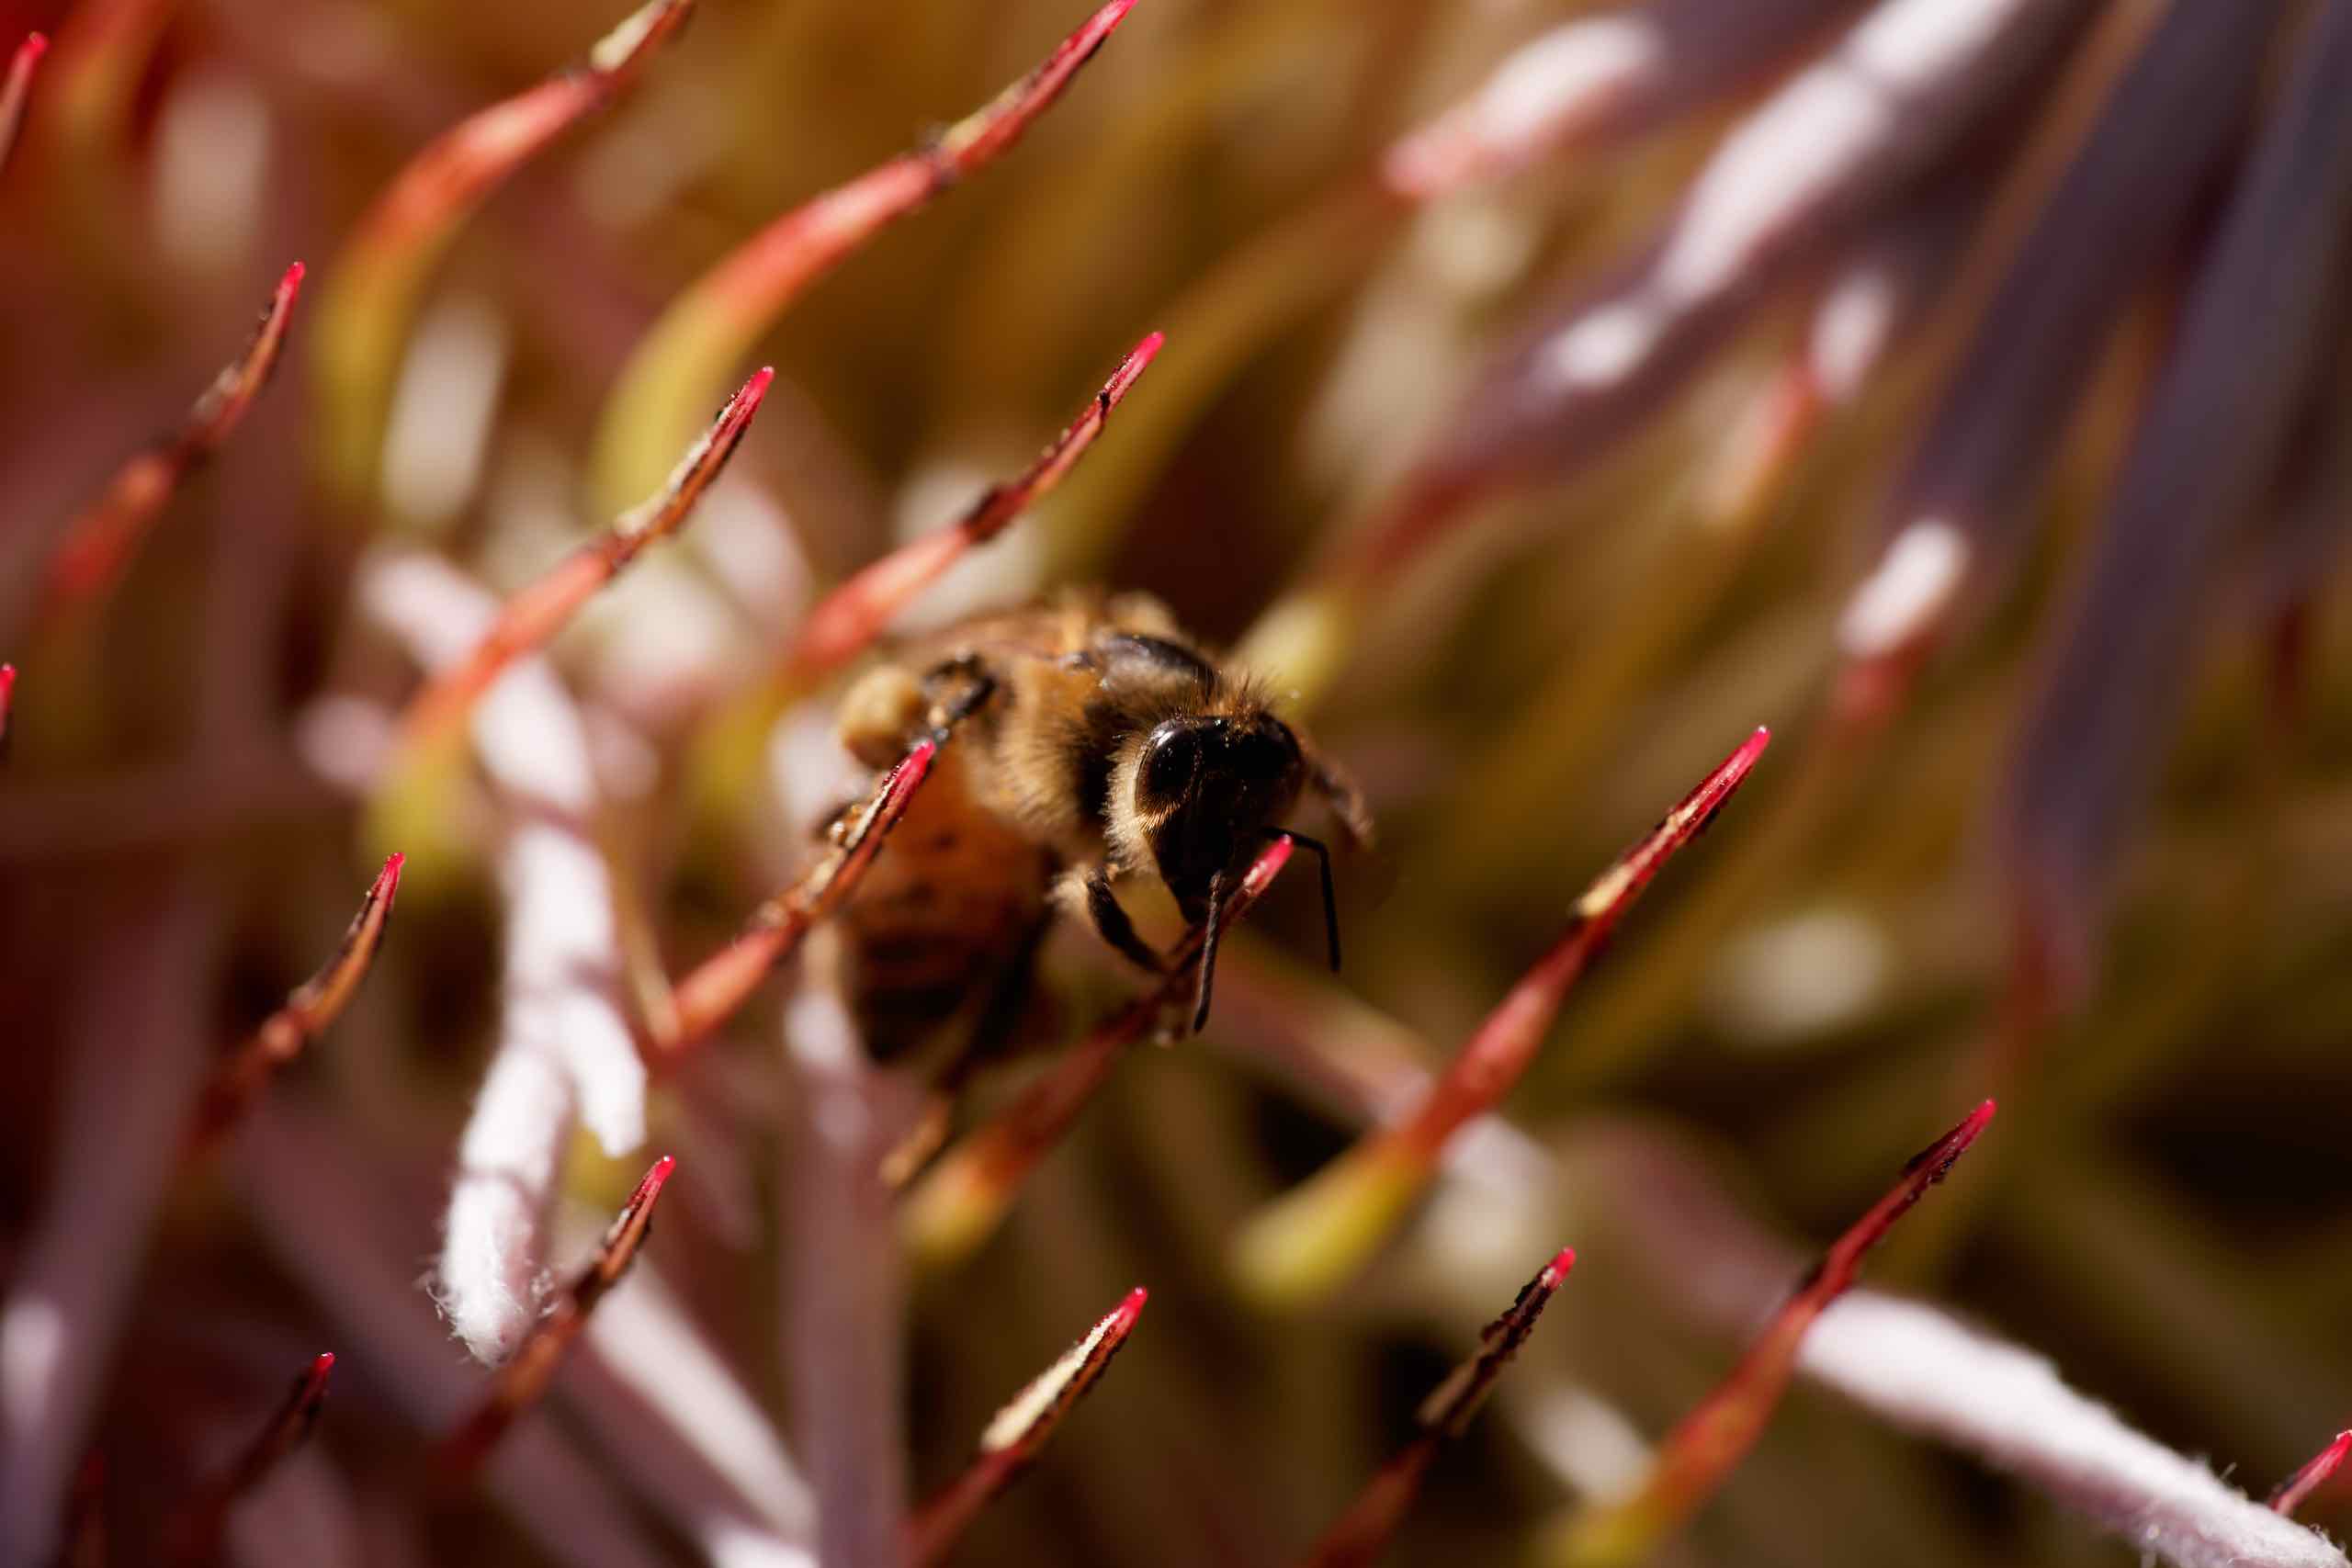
{"x":1331,"y":900}
{"x":1208,"y":950}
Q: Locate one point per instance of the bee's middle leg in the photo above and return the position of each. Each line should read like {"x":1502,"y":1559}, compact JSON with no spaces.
{"x":1086,"y":891}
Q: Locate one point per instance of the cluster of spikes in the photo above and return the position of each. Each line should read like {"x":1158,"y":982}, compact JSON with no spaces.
{"x":1312,"y":1242}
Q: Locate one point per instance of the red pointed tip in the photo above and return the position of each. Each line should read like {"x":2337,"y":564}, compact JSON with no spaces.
{"x":911,"y":768}
{"x":740,"y":407}
{"x":1131,"y":369}
{"x":1268,"y":865}
{"x":311,"y":1389}
{"x":1937,"y":1156}
{"x":33,"y":48}
{"x":1123,"y":1315}
{"x":282,"y":298}
{"x":1562,"y":1261}
{"x":1733,"y":771}
{"x":388,"y":884}
{"x":1974,"y":1122}
{"x":2316,"y":1472}
{"x":1091,"y":32}
{"x":650,"y":1187}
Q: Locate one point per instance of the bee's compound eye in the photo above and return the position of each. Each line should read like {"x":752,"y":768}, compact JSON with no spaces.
{"x":1169,"y":760}
{"x":1265,"y":756}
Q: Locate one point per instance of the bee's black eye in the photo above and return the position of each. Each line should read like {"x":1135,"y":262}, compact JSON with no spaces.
{"x":1169,"y":760}
{"x":1264,"y":756}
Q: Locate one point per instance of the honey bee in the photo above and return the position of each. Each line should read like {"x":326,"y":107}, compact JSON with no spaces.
{"x":1092,"y":743}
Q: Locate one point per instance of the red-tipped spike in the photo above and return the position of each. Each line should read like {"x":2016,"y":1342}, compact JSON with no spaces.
{"x":709,"y":327}
{"x":1019,"y":1431}
{"x":980,"y":137}
{"x":524,"y":1378}
{"x":17,"y":88}
{"x":1362,"y":1533}
{"x":527,"y":621}
{"x":309,"y":1010}
{"x":1496,"y":1057}
{"x":854,"y":615}
{"x":2315,"y":1474}
{"x":1699,"y":1453}
{"x":100,"y":543}
{"x":724,"y":981}
{"x":196,"y":1533}
{"x":1311,"y":1238}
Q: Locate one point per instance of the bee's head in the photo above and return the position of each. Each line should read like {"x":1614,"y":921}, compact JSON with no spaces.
{"x":1207,"y":789}
{"x":1202,"y":794}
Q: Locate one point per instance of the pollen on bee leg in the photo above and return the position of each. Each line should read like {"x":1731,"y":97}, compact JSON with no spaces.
{"x":1069,"y":893}
{"x":1142,"y":612}
{"x":878,"y":713}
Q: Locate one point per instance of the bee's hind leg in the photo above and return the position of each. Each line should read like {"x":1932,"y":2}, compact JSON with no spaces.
{"x":1086,"y":891}
{"x":1000,"y":1017}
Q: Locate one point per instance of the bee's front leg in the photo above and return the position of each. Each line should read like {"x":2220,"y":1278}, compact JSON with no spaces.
{"x":958,"y":688}
{"x":1085,"y":891}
